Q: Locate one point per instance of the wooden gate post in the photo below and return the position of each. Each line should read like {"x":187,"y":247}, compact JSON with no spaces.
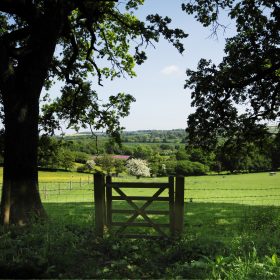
{"x":109,"y":201}
{"x":99,"y":201}
{"x":179,"y":205}
{"x":171,"y":205}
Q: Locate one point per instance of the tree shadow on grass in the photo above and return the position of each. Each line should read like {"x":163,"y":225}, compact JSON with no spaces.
{"x":223,"y":220}
{"x":73,"y":213}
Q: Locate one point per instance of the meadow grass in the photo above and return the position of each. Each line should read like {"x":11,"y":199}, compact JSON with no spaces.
{"x":232,"y":229}
{"x":251,"y":189}
{"x":213,"y":204}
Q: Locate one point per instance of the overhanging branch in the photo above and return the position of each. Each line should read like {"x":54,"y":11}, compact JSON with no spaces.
{"x":16,"y":35}
{"x":21,"y":8}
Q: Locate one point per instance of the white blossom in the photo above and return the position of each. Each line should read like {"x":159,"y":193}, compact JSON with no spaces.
{"x":138,"y":167}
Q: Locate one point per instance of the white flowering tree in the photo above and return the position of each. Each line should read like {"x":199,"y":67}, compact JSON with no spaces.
{"x":90,"y":165}
{"x":138,"y":168}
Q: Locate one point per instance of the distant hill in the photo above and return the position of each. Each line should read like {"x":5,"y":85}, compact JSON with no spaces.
{"x":128,"y":132}
{"x":141,"y":136}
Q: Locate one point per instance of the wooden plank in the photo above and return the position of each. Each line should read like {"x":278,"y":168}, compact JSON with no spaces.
{"x":140,"y":198}
{"x":138,"y":185}
{"x":99,"y":203}
{"x":109,"y":202}
{"x":135,"y":224}
{"x":171,"y":205}
{"x":179,"y":205}
{"x":149,"y":212}
{"x":140,"y":211}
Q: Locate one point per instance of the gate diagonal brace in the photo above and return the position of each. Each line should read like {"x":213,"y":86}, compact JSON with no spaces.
{"x":140,"y":211}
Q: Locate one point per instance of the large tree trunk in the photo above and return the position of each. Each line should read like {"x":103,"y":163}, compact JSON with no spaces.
{"x":21,"y":201}
{"x":20,"y":198}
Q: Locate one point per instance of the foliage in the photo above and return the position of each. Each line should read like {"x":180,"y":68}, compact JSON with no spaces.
{"x":170,"y":167}
{"x":166,"y":137}
{"x":246,"y":157}
{"x":66,"y":159}
{"x":53,"y":153}
{"x":119,"y":165}
{"x":75,"y":43}
{"x":88,"y":167}
{"x":51,"y":250}
{"x":187,"y":168}
{"x":86,"y":34}
{"x":48,"y":151}
{"x":138,"y":168}
{"x":275,"y":151}
{"x":156,"y":164}
{"x":90,"y":164}
{"x":142,"y":152}
{"x":235,"y":154}
{"x":81,"y":157}
{"x":247,"y":76}
{"x":106,"y":162}
{"x":182,"y":155}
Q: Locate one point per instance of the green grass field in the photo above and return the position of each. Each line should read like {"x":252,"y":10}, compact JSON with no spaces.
{"x":251,"y":189}
{"x":212,"y":203}
{"x":231,"y":231}
{"x":231,"y":191}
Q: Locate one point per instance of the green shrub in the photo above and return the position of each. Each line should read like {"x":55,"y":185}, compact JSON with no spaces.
{"x":170,"y":167}
{"x":82,"y":169}
{"x":186,"y":168}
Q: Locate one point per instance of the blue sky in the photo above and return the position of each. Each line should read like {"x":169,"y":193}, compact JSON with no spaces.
{"x":161,"y":100}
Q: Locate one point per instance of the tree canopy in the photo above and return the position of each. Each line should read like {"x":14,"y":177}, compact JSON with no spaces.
{"x":78,"y":43}
{"x":85,"y":34}
{"x":241,"y":95}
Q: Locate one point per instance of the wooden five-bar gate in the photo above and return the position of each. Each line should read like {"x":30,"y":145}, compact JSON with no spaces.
{"x":104,"y":210}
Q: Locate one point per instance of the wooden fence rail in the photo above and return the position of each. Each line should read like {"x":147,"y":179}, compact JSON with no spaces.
{"x":104,"y":198}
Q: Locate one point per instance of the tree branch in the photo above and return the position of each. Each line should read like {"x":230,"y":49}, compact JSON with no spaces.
{"x":16,"y":35}
{"x":260,"y":75}
{"x":21,"y":8}
{"x":90,"y":49}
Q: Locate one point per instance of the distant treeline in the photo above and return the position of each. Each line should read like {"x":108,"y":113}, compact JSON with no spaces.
{"x":165,"y":151}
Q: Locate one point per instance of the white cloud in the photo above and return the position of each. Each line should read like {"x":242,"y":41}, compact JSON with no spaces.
{"x":171,"y":70}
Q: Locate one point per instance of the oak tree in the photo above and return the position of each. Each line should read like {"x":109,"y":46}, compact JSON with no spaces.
{"x":241,"y":95}
{"x":44,"y":41}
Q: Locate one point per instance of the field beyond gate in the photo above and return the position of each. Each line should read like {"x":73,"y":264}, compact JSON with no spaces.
{"x":232,"y":229}
{"x":138,"y":215}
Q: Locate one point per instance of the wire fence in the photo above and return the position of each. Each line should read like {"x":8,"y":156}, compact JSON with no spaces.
{"x":269,"y":196}
{"x":220,"y":208}
{"x":72,"y":191}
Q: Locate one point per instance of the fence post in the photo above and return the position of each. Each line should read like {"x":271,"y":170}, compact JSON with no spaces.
{"x":171,"y":204}
{"x":99,"y":201}
{"x":109,"y":202}
{"x":179,"y":205}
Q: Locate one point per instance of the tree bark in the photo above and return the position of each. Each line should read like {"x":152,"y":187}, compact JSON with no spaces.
{"x":21,"y":202}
